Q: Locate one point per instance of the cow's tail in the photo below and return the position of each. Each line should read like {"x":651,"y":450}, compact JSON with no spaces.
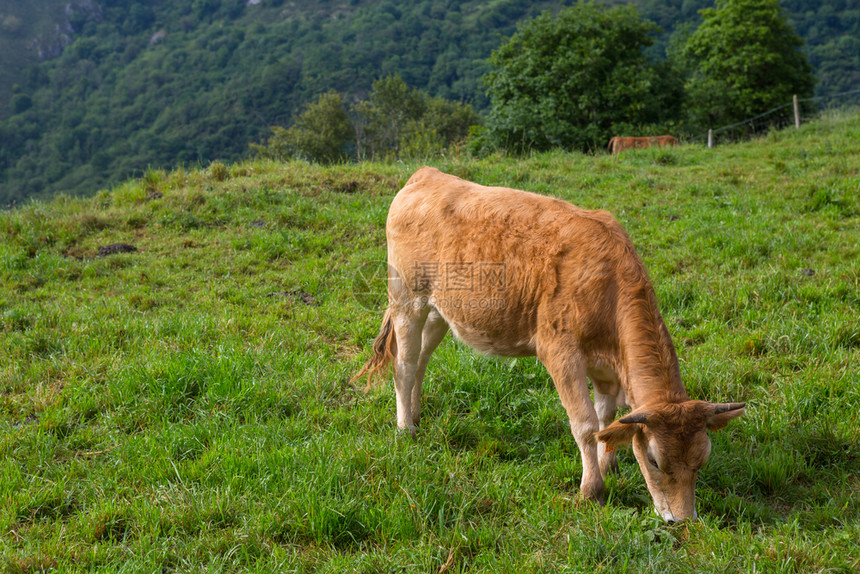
{"x":609,"y":147}
{"x":384,"y":351}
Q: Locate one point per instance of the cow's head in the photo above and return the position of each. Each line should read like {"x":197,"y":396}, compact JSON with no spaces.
{"x":671,"y":444}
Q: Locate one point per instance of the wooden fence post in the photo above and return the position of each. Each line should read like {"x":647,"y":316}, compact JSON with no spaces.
{"x":710,"y":139}
{"x":796,"y":113}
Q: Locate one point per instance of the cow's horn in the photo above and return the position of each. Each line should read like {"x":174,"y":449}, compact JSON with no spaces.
{"x":726,"y":407}
{"x":634,"y":418}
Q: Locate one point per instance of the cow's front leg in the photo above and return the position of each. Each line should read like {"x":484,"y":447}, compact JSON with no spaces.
{"x":605,"y":405}
{"x":568,"y":372}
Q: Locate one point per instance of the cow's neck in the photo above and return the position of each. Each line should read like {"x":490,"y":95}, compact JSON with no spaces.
{"x":649,"y":365}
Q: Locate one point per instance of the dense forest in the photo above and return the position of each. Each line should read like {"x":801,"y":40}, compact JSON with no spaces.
{"x":96,"y":90}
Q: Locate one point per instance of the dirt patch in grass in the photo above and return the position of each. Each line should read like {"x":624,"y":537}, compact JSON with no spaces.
{"x":115,"y":248}
{"x":295,"y":295}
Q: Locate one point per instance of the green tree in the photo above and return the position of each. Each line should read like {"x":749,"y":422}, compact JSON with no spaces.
{"x":573,"y":79}
{"x":745,"y":59}
{"x":399,"y":121}
{"x":321,"y":133}
{"x":20,"y":103}
{"x":396,"y":121}
{"x":383,"y":118}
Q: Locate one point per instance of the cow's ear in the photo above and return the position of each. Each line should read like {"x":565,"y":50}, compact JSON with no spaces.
{"x":617,"y":433}
{"x":723,"y":413}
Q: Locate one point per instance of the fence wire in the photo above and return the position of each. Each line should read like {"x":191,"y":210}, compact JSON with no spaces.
{"x":776,"y":118}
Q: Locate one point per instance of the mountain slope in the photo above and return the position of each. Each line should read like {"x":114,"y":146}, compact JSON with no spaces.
{"x":191,"y":81}
{"x":28,"y":30}
{"x":158,"y":84}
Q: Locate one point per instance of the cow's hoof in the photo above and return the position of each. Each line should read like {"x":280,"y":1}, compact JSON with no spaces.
{"x":581,"y":501}
{"x":593,"y":495}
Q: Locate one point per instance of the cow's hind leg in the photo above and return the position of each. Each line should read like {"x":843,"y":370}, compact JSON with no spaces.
{"x":408,"y":323}
{"x":434,"y":331}
{"x":567,"y":368}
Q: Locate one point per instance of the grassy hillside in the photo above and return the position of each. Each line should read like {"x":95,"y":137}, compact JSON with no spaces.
{"x":186,"y":406}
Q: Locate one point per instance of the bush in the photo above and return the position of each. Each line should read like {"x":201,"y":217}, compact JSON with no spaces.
{"x":574,"y":79}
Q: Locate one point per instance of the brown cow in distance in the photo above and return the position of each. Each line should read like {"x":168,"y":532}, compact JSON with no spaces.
{"x":619,"y":144}
{"x":518,"y":274}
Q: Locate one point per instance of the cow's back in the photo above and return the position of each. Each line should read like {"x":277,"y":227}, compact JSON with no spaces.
{"x":449,"y":239}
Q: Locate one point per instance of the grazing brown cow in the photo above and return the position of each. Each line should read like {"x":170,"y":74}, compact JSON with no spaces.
{"x":619,"y":144}
{"x":517,"y":274}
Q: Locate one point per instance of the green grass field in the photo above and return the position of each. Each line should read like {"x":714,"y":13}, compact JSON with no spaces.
{"x":186,"y":407}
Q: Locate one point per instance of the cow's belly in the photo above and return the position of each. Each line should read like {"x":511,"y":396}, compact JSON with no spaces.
{"x":487,"y":331}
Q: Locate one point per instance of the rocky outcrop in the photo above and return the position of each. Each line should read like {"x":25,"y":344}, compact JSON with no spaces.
{"x":76,"y":15}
